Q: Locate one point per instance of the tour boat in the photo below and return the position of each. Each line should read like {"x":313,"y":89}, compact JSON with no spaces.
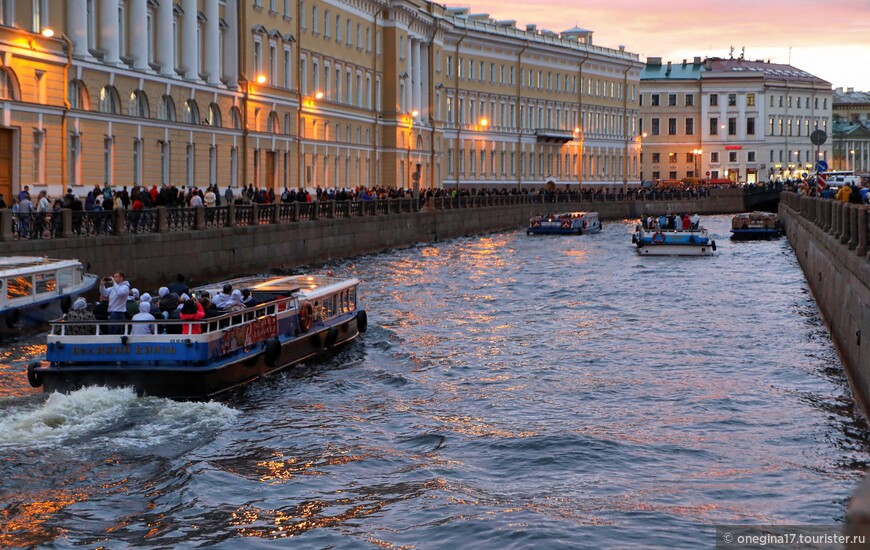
{"x":756,"y":225}
{"x":295,"y":318}
{"x":673,"y":242}
{"x":35,"y":290}
{"x":564,"y":223}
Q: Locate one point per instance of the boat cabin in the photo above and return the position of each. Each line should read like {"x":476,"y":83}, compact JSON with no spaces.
{"x":25,"y":280}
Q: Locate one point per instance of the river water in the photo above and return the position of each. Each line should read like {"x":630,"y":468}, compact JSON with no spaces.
{"x":511,"y":392}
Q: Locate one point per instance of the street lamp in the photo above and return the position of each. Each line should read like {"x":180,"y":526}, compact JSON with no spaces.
{"x":697,"y":154}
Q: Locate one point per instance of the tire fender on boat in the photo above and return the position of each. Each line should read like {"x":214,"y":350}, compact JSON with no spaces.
{"x":13,"y":317}
{"x":713,"y":245}
{"x":331,"y":337}
{"x":65,"y":303}
{"x":34,"y":377}
{"x":306,"y":316}
{"x":362,"y":321}
{"x":272,"y":352}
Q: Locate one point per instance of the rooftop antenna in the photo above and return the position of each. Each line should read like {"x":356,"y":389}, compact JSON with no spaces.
{"x":789,"y":55}
{"x":742,"y":52}
{"x":731,"y":53}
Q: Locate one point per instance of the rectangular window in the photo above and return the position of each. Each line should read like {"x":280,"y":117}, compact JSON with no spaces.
{"x":655,"y":127}
{"x":288,"y":68}
{"x":690,"y":158}
{"x":714,"y":126}
{"x":690,"y":126}
{"x":732,"y":156}
{"x":38,"y":156}
{"x":714,"y":157}
{"x":672,"y":126}
{"x":690,"y":100}
{"x":750,"y":156}
{"x":732,"y":100}
{"x":672,"y":100}
{"x":654,"y":100}
{"x":672,"y":158}
{"x":656,"y":158}
{"x":750,"y":126}
{"x":750,"y":100}
{"x":714,"y":100}
{"x":732,"y":126}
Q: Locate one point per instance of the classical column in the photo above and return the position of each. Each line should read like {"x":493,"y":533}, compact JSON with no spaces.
{"x":165,"y":38}
{"x":77,"y":26}
{"x":139,"y":33}
{"x":409,"y":82}
{"x":189,"y":47}
{"x":212,"y":42}
{"x":109,"y":35}
{"x":231,"y":44}
{"x":425,"y":84}
{"x":418,"y":78}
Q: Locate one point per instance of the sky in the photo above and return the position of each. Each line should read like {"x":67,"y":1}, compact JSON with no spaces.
{"x":829,"y":39}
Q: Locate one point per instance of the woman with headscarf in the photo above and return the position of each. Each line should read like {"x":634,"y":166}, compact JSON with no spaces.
{"x":191,"y":311}
{"x":235,"y":302}
{"x":79,"y":312}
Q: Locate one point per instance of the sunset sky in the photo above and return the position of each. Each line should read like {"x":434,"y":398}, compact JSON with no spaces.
{"x":828,"y":39}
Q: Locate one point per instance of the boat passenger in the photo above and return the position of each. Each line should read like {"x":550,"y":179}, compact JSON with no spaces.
{"x":141,"y":326}
{"x":133,"y":303}
{"x":235,"y":302}
{"x":663,"y":222}
{"x":179,"y":287}
{"x":687,"y":222}
{"x":79,"y":312}
{"x":117,"y":297}
{"x":248,"y":298}
{"x":191,"y":311}
{"x":223,"y":296}
{"x":696,"y":220}
{"x":145,"y":298}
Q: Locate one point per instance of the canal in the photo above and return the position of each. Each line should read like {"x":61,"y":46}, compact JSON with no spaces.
{"x":511,"y":392}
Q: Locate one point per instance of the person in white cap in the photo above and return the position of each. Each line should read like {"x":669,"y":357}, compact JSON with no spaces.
{"x":144,"y":315}
{"x":80,"y":312}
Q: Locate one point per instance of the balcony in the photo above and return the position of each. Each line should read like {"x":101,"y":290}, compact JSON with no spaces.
{"x":552,"y":135}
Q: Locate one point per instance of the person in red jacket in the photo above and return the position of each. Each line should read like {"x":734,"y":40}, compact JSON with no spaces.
{"x":192,"y":311}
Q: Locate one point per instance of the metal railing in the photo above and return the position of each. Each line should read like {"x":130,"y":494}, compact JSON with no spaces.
{"x":65,"y":223}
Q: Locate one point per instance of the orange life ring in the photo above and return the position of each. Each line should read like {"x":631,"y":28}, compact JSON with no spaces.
{"x":306,"y":316}
{"x":658,"y":237}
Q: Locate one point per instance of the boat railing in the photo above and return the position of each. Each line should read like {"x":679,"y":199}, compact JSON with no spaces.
{"x":176,"y":326}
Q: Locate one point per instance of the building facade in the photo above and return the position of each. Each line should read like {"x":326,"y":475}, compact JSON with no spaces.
{"x":732,"y":119}
{"x":851,"y":141}
{"x":305,"y":93}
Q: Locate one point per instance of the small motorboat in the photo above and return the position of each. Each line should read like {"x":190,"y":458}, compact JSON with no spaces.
{"x":756,"y":225}
{"x":565,"y":223}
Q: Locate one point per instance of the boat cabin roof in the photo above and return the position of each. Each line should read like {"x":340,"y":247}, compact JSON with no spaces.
{"x":307,"y":284}
{"x":20,"y":265}
{"x":579,"y":214}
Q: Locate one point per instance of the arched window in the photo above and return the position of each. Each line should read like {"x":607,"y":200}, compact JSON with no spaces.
{"x":8,"y":84}
{"x":191,"y":112}
{"x":272,"y":125}
{"x":214,"y":115}
{"x":139,"y":104}
{"x":78,"y":95}
{"x":167,"y":109}
{"x":236,"y":115}
{"x":110,"y":103}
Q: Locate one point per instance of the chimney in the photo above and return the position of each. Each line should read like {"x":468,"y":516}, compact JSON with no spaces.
{"x":652,"y":61}
{"x":668,"y":71}
{"x":622,"y":47}
{"x":531,"y":27}
{"x":850,"y":90}
{"x":696,"y":61}
{"x":684,"y":62}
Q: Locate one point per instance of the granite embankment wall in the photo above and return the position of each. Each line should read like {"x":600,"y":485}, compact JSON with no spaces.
{"x":210,"y":253}
{"x":830,"y":239}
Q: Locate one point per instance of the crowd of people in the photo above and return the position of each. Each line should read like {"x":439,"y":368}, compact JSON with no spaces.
{"x":121,"y":303}
{"x":853,"y":193}
{"x":671,"y":221}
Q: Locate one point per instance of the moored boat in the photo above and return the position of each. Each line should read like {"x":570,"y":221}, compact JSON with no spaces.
{"x":756,"y":225}
{"x":295,"y":318}
{"x":35,"y":290}
{"x":564,"y":223}
{"x":673,"y":242}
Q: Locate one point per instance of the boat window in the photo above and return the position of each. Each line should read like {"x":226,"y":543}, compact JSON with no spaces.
{"x":17,"y":287}
{"x":45,"y":282}
{"x":352,"y":298}
{"x":66,"y":278}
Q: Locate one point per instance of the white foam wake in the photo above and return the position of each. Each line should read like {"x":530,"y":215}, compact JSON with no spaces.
{"x":115,"y":416}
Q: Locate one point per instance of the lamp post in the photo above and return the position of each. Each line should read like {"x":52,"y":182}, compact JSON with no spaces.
{"x":48,"y":32}
{"x":697,"y":156}
{"x":852,"y":154}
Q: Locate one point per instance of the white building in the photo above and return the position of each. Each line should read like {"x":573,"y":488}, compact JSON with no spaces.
{"x":734,"y":119}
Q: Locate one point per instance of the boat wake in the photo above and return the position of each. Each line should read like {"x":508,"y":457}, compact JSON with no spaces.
{"x":116,"y":418}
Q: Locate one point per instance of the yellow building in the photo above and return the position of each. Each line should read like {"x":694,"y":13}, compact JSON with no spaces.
{"x":289,"y":93}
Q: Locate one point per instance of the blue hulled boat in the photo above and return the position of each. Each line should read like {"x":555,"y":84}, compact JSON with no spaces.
{"x":565,"y":223}
{"x":673,"y":242}
{"x":296,"y":318}
{"x":756,"y":225}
